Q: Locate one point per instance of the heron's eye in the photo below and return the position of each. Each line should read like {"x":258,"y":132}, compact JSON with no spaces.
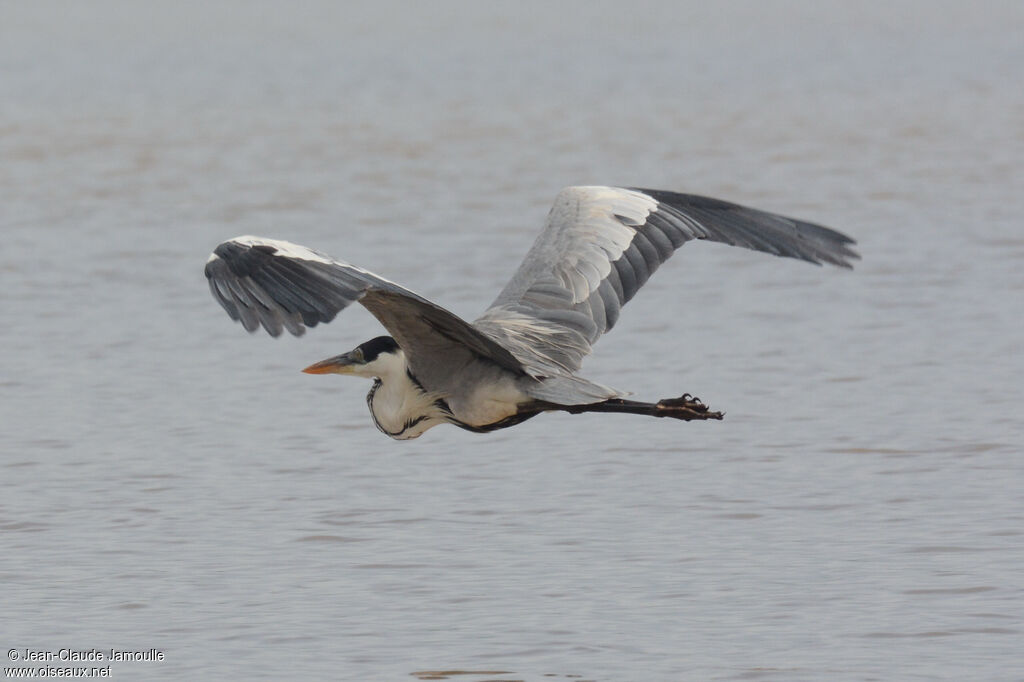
{"x":358,"y":355}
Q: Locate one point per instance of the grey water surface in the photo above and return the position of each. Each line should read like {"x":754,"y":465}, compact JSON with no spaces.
{"x":172,"y":483}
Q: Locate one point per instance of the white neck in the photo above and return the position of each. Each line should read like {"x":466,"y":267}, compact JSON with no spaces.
{"x":400,"y":408}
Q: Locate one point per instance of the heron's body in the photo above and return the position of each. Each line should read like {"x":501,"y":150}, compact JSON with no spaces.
{"x":522,"y":356}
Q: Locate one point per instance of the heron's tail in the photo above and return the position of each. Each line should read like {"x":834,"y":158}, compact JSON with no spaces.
{"x":569,"y":390}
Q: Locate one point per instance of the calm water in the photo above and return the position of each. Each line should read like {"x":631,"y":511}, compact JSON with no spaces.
{"x":170,"y":482}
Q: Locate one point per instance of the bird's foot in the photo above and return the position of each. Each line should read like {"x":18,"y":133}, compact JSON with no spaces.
{"x":685,"y":407}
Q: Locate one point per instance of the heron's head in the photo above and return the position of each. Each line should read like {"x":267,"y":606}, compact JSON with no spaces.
{"x":377,"y":357}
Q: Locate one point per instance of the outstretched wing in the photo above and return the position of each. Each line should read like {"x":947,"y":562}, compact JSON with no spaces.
{"x":601,"y":244}
{"x":280,"y":285}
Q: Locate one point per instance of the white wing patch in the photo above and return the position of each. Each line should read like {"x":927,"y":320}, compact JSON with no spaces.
{"x":286,"y":249}
{"x":603,"y":222}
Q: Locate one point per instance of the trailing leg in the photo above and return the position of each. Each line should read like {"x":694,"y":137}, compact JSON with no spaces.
{"x":685,"y":407}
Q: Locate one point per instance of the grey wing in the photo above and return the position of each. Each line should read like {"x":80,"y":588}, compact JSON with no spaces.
{"x":281,"y":285}
{"x":601,"y":244}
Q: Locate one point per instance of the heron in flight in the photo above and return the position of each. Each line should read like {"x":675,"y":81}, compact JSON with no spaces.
{"x":522,"y":356}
